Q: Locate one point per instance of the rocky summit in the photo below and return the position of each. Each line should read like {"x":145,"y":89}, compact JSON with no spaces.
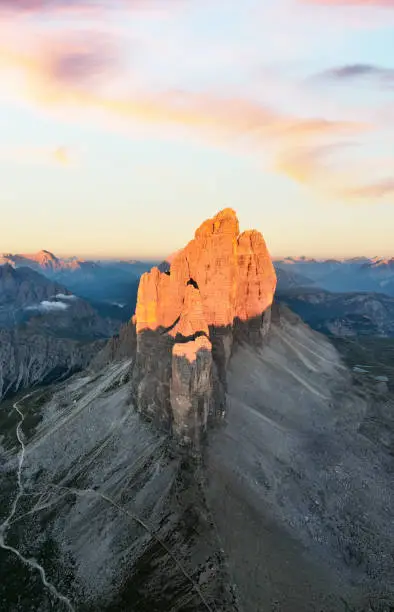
{"x":216,"y":291}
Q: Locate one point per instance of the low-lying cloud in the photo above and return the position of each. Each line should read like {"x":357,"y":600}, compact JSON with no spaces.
{"x":65,"y":296}
{"x":46,"y":306}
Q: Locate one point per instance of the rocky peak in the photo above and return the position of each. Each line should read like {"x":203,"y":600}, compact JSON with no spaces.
{"x":214,"y":292}
{"x":45,"y":259}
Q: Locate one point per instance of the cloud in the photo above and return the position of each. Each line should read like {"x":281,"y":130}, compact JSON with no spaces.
{"x":80,"y":7}
{"x":46,"y":306}
{"x":353,"y":72}
{"x":305,"y":149}
{"x":369,"y":3}
{"x":380,"y":189}
{"x":79,"y":61}
{"x":39,"y":5}
{"x":39,"y":84}
{"x":61,"y":155}
{"x":58,"y":156}
{"x":65,"y":296}
{"x":323,"y":168}
{"x":311,"y":164}
{"x":77,"y":7}
{"x":69,"y":58}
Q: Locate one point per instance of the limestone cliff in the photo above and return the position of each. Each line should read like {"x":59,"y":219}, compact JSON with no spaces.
{"x":29,"y":357}
{"x":215,"y":291}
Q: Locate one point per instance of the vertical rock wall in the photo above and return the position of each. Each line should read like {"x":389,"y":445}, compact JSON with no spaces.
{"x":218,"y":289}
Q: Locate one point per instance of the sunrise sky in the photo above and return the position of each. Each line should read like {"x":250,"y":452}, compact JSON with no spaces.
{"x":125,"y":123}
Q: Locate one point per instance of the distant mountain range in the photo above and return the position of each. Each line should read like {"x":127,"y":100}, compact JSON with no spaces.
{"x":46,"y":331}
{"x":357,"y":274}
{"x":45,"y":261}
{"x":113,"y":282}
{"x":342,"y":314}
{"x":342,"y":298}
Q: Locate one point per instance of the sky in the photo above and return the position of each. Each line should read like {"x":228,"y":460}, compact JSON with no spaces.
{"x":125,"y":123}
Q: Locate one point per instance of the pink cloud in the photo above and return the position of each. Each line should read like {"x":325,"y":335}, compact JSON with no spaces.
{"x":377,"y":190}
{"x":65,"y":6}
{"x":226,"y":117}
{"x":80,"y":59}
{"x":67,"y":59}
{"x":81,"y":7}
{"x":370,"y":3}
{"x":303,"y":149}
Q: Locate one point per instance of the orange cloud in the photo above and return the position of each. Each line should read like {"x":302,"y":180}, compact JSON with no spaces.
{"x":43,"y":85}
{"x":320,"y":169}
{"x":301,"y":147}
{"x":60,"y":156}
{"x":313,"y":165}
{"x":302,"y":164}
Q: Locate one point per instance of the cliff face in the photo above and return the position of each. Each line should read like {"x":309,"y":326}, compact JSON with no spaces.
{"x":217,"y":290}
{"x":30,"y":358}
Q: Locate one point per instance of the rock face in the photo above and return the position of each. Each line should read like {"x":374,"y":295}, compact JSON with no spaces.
{"x":121,"y":346}
{"x":215,"y":291}
{"x":191,"y":388}
{"x":28,"y":358}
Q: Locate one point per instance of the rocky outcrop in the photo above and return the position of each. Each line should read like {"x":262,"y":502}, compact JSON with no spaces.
{"x":216,"y":291}
{"x":191,"y":389}
{"x":120,"y":347}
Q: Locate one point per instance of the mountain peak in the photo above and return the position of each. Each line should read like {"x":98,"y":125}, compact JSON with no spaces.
{"x":216,"y":290}
{"x":45,"y":256}
{"x":224,"y":222}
